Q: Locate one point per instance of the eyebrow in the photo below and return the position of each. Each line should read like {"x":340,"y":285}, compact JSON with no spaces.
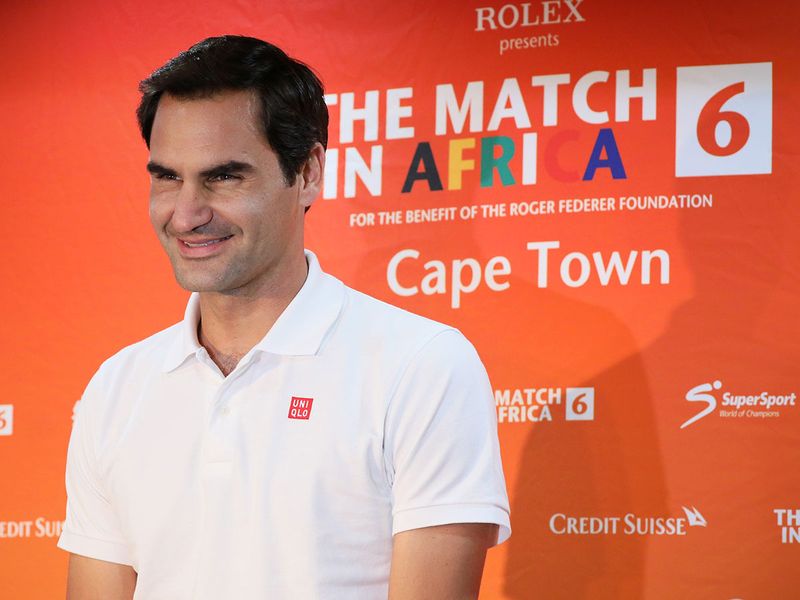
{"x":156,"y":169}
{"x":234,"y":167}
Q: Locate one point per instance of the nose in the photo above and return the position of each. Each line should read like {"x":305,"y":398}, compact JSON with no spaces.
{"x":191,"y":210}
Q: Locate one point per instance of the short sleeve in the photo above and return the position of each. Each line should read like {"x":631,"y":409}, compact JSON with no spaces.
{"x":441,"y":447}
{"x":92,"y":528}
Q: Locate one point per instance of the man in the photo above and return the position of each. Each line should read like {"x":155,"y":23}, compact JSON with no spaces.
{"x":291,"y":438}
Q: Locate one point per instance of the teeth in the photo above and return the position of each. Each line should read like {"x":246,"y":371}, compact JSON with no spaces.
{"x":208,"y":243}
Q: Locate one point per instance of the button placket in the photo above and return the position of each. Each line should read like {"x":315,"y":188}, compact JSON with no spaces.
{"x":222,"y":426}
{"x":225,"y":393}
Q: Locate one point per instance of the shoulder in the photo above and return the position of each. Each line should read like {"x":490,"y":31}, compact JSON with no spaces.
{"x":150,"y":352}
{"x":130,"y":365}
{"x":377,"y":318}
{"x":409,"y":342}
{"x":109,"y":399}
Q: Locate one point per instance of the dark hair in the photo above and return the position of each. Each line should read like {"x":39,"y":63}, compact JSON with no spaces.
{"x":293,"y":112}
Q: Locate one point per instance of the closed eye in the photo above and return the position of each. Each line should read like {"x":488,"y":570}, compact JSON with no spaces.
{"x":232,"y":170}
{"x":224,"y":177}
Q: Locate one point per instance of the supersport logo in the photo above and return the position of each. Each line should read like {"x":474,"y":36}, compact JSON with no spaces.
{"x":700,"y":393}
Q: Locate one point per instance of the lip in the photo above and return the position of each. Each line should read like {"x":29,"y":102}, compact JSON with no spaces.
{"x":201,"y":248}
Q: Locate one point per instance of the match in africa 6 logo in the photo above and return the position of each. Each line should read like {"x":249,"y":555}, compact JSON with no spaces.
{"x":723,"y":120}
{"x":6,"y":419}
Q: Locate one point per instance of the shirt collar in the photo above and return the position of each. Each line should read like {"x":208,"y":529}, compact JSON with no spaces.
{"x":299,"y":331}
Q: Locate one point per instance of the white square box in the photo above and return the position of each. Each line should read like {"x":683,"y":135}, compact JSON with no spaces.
{"x":6,"y":419}
{"x":723,"y":120}
{"x":580,"y":404}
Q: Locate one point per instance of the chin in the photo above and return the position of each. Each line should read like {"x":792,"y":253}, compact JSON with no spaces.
{"x":221,"y":283}
{"x":195,"y":283}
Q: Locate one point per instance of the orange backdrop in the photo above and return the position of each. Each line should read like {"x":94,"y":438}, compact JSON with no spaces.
{"x":601,"y":195}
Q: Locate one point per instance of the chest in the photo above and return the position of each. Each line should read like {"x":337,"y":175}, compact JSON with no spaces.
{"x":260,"y":451}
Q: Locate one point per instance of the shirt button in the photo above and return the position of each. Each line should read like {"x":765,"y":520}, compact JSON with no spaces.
{"x":225,"y":411}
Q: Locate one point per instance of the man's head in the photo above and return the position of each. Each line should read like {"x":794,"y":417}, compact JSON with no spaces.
{"x":236,"y":131}
{"x":293,"y":112}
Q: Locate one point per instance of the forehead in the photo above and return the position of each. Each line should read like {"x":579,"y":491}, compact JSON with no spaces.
{"x":222,"y":126}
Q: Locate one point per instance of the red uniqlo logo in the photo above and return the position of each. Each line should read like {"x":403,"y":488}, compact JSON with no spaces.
{"x":300,"y":408}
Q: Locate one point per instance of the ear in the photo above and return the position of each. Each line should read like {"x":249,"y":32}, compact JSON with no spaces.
{"x":310,"y":178}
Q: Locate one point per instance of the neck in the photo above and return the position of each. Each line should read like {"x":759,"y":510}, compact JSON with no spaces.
{"x":230,"y":325}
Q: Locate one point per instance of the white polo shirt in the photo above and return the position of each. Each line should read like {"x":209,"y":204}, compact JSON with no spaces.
{"x":350,"y":421}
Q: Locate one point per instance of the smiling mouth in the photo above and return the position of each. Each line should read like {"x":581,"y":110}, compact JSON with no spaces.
{"x":207,"y":243}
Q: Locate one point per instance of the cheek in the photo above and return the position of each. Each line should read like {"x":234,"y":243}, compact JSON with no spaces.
{"x":159,"y":212}
{"x":275,"y":224}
